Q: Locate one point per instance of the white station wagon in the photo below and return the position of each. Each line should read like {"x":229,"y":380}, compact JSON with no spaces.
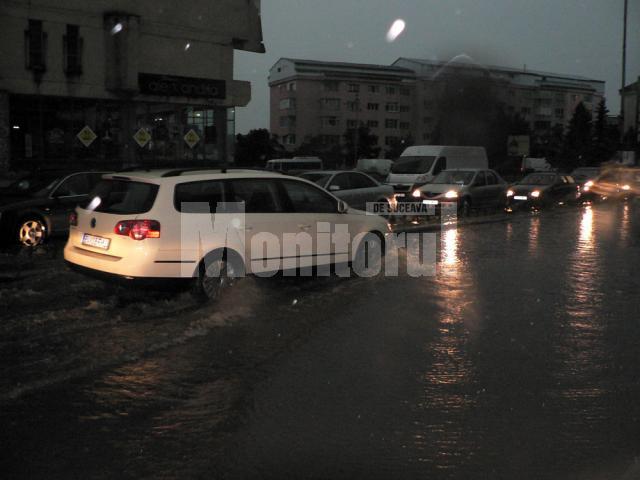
{"x":214,"y":226}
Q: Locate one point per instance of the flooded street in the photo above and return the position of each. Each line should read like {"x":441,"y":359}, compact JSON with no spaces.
{"x":519,"y":359}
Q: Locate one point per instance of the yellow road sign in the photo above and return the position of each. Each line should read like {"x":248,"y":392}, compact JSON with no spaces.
{"x":142,"y":137}
{"x":86,"y":136}
{"x":191,"y":138}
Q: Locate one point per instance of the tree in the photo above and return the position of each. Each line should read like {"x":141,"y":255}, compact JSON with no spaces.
{"x":256,"y":147}
{"x":577,"y":142}
{"x":360,"y":143}
{"x":395,"y":149}
{"x":605,"y":137}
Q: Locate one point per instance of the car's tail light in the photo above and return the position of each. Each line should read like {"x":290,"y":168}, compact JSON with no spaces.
{"x":138,"y":229}
{"x":73,"y":219}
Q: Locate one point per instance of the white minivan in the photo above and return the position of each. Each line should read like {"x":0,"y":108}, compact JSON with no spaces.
{"x":419,"y":164}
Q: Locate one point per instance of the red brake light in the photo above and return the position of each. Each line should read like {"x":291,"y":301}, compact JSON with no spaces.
{"x":138,"y":229}
{"x":73,"y":219}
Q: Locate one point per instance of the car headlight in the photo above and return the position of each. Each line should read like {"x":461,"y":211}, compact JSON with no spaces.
{"x":535,"y":193}
{"x":416,"y":193}
{"x":451,"y":194}
{"x":589,"y":184}
{"x":626,"y":187}
{"x":510,"y":193}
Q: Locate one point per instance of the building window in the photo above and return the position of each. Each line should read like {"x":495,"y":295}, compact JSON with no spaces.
{"x":391,"y":140}
{"x":330,"y":86}
{"x":372,"y":124}
{"x":288,"y":121}
{"x":329,"y":121}
{"x":405,"y":108}
{"x":72,"y":48}
{"x":352,"y":106}
{"x":354,"y":88}
{"x":390,"y":90}
{"x":404,"y":125}
{"x":287,"y":104}
{"x":330,"y":139}
{"x":559,"y":112}
{"x":392,"y":107}
{"x":373,"y":88}
{"x":391,"y":123}
{"x":35,"y":46}
{"x":405,"y":91}
{"x":425,"y":137}
{"x":291,"y":86}
{"x":330,"y":103}
{"x":372,"y":106}
{"x":352,"y":123}
{"x":289,"y":139}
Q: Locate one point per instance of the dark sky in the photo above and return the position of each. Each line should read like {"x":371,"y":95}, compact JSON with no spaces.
{"x":562,"y":36}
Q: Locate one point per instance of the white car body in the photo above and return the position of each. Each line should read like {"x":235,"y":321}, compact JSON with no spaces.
{"x":431,"y":160}
{"x":175,"y":254}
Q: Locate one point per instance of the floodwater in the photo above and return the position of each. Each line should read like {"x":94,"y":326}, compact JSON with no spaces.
{"x":519,"y":359}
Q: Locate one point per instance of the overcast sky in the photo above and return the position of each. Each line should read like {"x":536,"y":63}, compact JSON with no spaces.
{"x":562,"y":36}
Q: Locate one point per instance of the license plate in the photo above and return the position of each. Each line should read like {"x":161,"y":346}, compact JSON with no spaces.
{"x":399,"y":195}
{"x":519,"y":197}
{"x":430,"y":202}
{"x":97,"y":242}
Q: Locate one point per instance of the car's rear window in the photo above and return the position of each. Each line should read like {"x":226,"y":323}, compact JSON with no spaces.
{"x":121,"y":196}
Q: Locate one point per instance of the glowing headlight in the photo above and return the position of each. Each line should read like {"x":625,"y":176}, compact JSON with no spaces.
{"x":416,"y":193}
{"x":589,"y":184}
{"x":510,"y":193}
{"x":626,"y":187}
{"x":451,"y":194}
{"x":535,"y":193}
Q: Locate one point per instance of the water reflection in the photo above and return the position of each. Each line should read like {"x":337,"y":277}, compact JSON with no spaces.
{"x":624,"y":227}
{"x":534,"y":232}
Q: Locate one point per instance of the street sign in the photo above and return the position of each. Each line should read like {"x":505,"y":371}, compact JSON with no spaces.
{"x":518,"y":145}
{"x":86,"y":136}
{"x":142,"y":137}
{"x":191,"y":138}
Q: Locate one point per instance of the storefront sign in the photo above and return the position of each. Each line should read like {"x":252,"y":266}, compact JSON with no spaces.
{"x":142,"y":137}
{"x":173,"y":86}
{"x":86,"y":136}
{"x":191,"y":138}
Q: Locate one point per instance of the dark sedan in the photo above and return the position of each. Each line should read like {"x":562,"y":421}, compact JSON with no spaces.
{"x":542,"y":189}
{"x":30,"y":215}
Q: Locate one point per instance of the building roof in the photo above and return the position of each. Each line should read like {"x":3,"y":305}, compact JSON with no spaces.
{"x":495,"y":68}
{"x":339,"y":69}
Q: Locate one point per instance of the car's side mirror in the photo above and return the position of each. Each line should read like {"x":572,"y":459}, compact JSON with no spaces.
{"x":342,"y":206}
{"x":334,"y":188}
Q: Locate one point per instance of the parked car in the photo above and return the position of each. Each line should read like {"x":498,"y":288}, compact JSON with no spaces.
{"x":585,"y":177}
{"x":294,"y":165}
{"x":355,"y":188}
{"x":151,"y":225}
{"x":469,"y":188}
{"x":542,"y":189}
{"x":419,"y":164}
{"x":43,"y":207}
{"x":377,"y":168}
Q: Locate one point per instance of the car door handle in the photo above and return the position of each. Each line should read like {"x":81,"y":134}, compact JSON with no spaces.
{"x":247,"y":228}
{"x":304,"y":227}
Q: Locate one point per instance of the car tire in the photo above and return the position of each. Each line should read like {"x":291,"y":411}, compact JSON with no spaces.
{"x":217,"y":272}
{"x":363,"y":264}
{"x":31,"y":232}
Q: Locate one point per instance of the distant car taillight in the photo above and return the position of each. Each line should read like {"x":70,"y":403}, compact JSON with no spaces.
{"x":138,"y":229}
{"x":73,"y":219}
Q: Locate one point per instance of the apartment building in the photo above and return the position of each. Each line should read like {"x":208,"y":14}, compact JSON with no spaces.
{"x":121,"y":82}
{"x":631,"y":100}
{"x":311,"y":98}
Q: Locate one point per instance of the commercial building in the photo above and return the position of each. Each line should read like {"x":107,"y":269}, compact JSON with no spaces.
{"x":310,"y":98}
{"x":121,"y":82}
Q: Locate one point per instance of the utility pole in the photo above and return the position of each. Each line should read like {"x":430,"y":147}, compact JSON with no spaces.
{"x":624,"y":68}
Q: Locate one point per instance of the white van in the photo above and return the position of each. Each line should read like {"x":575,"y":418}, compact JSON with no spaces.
{"x":296,"y":164}
{"x":420,"y":163}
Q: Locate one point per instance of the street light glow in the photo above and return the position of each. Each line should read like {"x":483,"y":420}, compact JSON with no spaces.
{"x":395,"y":30}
